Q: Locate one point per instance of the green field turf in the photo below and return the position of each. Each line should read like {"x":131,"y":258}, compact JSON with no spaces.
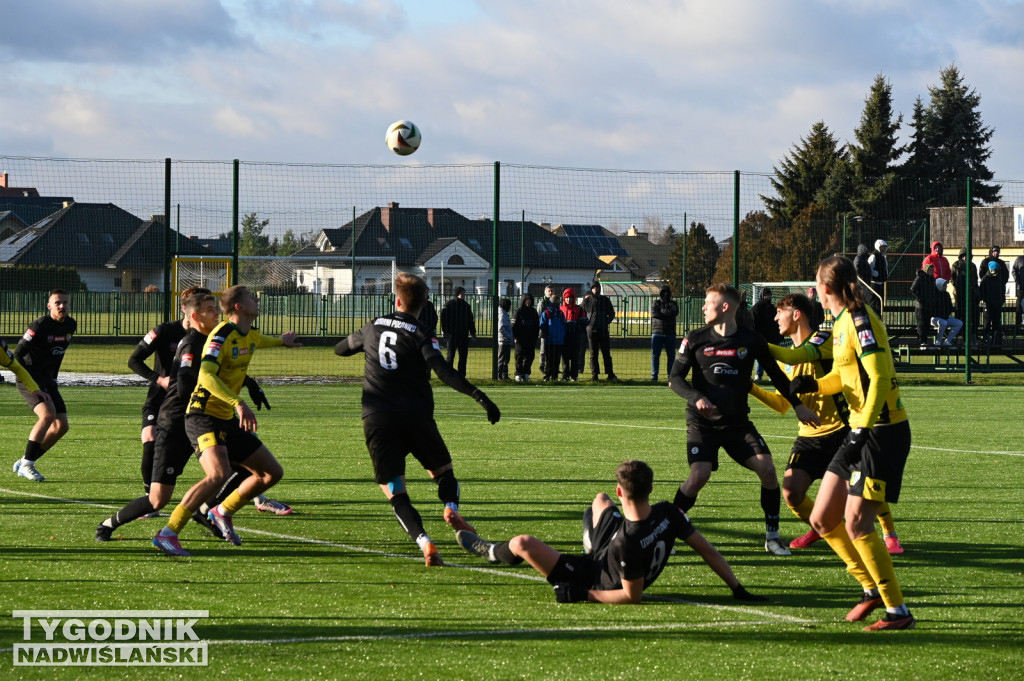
{"x":338,"y":591}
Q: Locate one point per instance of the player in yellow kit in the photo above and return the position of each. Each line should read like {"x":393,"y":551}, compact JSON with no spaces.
{"x":867,"y":469}
{"x":221,"y":425}
{"x":811,"y":355}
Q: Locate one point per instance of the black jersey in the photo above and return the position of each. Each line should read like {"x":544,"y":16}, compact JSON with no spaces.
{"x":161,"y":341}
{"x":641,"y":548}
{"x":722,"y":366}
{"x":183,"y":371}
{"x":397,"y":348}
{"x":41,"y":350}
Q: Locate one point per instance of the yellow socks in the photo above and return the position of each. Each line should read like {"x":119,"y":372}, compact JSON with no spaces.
{"x":885,"y":519}
{"x":879,"y":563}
{"x":233,"y":503}
{"x":179,"y":518}
{"x":803,"y":509}
{"x":840,"y":542}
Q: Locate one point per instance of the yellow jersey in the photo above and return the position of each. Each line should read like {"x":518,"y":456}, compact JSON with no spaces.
{"x":863,"y":368}
{"x":831,"y":409}
{"x":225,"y":364}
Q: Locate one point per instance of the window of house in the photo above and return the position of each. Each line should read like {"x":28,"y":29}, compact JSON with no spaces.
{"x":107,"y":238}
{"x":476,"y":244}
{"x":117,"y":282}
{"x":551,"y":246}
{"x":83,"y":238}
{"x":405,"y":242}
{"x":540,"y":246}
{"x":456,"y":260}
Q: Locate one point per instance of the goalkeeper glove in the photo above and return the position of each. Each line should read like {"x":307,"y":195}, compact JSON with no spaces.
{"x":259,"y":400}
{"x":493,"y":413}
{"x":571,"y":593}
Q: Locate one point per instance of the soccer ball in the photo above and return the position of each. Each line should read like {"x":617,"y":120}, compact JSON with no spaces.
{"x":403,"y":137}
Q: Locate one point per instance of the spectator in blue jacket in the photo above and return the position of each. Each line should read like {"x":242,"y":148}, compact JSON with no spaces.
{"x":552,"y":325}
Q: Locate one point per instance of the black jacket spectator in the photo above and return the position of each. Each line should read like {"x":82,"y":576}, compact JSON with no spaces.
{"x":926,"y":298}
{"x":1002,"y":271}
{"x":664,"y":312}
{"x":763,"y":313}
{"x":457,"y":316}
{"x":428,"y":317}
{"x":599,"y":308}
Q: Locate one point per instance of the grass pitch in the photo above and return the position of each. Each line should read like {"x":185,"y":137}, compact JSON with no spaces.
{"x":338,"y":591}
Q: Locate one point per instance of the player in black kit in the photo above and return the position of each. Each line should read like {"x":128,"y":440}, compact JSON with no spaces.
{"x":161,"y":342}
{"x":722,"y":355}
{"x":41,"y":351}
{"x":626,"y":551}
{"x":398,"y":408}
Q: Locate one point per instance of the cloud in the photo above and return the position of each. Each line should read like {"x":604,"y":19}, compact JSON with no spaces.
{"x":112,"y":31}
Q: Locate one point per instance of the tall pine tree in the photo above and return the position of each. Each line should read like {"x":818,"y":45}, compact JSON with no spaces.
{"x":701,"y":256}
{"x":874,"y":156}
{"x":803,"y":172}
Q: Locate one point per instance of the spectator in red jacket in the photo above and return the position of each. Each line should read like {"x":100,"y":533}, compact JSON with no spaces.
{"x":940,"y":266}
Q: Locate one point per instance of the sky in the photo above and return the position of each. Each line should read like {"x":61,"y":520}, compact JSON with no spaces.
{"x":689,"y":85}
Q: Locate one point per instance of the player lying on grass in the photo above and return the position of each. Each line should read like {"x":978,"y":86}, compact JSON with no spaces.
{"x":398,"y":408}
{"x":626,"y":551}
{"x":814,"y":447}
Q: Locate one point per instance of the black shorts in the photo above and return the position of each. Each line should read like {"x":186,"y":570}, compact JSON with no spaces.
{"x":875,"y":472}
{"x":585,"y":570}
{"x":172,"y":451}
{"x":50,"y":388}
{"x":205,"y":432}
{"x":739,"y":442}
{"x":390,"y":438}
{"x":813,"y":454}
{"x":151,"y":409}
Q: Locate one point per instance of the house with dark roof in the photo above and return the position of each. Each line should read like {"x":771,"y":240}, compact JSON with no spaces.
{"x":445,"y":248}
{"x":627,"y":257}
{"x":111,"y":249}
{"x":10,"y":223}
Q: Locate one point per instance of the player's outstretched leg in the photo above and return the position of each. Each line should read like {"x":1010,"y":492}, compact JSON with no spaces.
{"x":411,"y":521}
{"x":448,"y":492}
{"x":134,"y":509}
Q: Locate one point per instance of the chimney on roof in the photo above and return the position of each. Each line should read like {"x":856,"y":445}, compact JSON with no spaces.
{"x":385,"y":215}
{"x":430,"y":217}
{"x":4,"y":179}
{"x":156,"y":218}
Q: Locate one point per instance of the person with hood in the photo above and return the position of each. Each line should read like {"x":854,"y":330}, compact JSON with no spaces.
{"x":940,"y":266}
{"x":664,"y":312}
{"x":763,"y":313}
{"x":943,"y":320}
{"x":966,"y":274}
{"x":925,"y":301}
{"x":505,"y":338}
{"x":552,"y":331}
{"x":574,"y":325}
{"x":458,"y":325}
{"x":549,"y":300}
{"x":993,"y":292}
{"x":879,"y":272}
{"x":863,"y":267}
{"x":525,"y":326}
{"x":601,"y":313}
{"x":1002,"y":275}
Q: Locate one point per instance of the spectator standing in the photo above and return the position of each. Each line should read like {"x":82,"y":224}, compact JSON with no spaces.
{"x":863,"y":266}
{"x":940,"y":266}
{"x":925,"y":300}
{"x":944,"y":320}
{"x":547,"y":301}
{"x":505,"y":338}
{"x":525,"y":326}
{"x":1018,"y":282}
{"x":574,"y":325}
{"x":1002,"y":276}
{"x":601,"y":313}
{"x":428,"y":317}
{"x":817,"y":317}
{"x":994,"y":294}
{"x":879,"y":273}
{"x":552,"y":330}
{"x":664,"y":313}
{"x":966,"y":274}
{"x":458,"y":325}
{"x":763,"y":313}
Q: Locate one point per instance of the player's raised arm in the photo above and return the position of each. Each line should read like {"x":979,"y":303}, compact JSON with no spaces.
{"x":350,"y":345}
{"x":455,"y":381}
{"x":781,"y":383}
{"x":142,"y":352}
{"x":773,"y":401}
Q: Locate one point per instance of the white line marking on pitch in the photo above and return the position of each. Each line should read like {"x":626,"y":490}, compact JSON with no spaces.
{"x":388,"y":554}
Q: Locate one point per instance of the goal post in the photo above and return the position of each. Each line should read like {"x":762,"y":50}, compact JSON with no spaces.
{"x":212,"y":272}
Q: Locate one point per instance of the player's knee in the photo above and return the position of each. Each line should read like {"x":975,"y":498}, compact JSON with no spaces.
{"x":273,"y":474}
{"x":60,"y":427}
{"x":520,"y":545}
{"x":602,"y":499}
